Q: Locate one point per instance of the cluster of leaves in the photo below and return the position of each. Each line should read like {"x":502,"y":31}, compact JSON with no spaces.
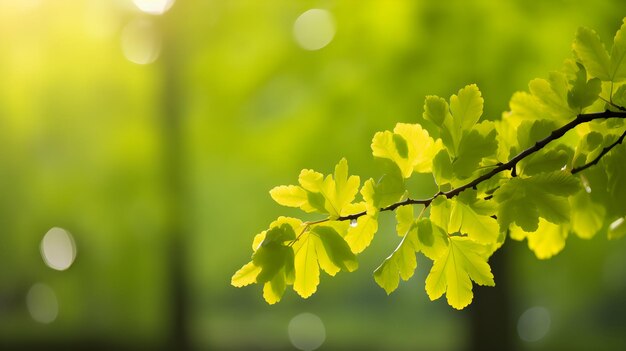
{"x":551,"y":166}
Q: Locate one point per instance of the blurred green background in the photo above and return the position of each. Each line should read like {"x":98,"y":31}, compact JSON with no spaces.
{"x":152,"y":136}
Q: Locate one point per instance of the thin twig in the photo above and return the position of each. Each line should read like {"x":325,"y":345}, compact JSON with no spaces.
{"x":604,"y":151}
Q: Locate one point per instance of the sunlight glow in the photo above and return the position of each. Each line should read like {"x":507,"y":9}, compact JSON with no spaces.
{"x":306,"y":331}
{"x":533,"y":324}
{"x":141,"y":42}
{"x":154,"y":7}
{"x":314,"y":29}
{"x":101,"y":21}
{"x":42,"y":303}
{"x":58,"y":249}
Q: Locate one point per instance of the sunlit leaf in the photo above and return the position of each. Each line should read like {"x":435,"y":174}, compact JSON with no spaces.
{"x":547,"y":241}
{"x":591,"y":52}
{"x":400,"y":264}
{"x":467,"y":106}
{"x":618,"y":55}
{"x":453,"y":272}
{"x":587,"y":217}
{"x":583,"y":92}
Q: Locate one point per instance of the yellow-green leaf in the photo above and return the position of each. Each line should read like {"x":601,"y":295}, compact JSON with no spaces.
{"x":306,"y":265}
{"x":274,"y":289}
{"x":336,"y":247}
{"x":464,"y":219}
{"x":409,"y":146}
{"x":246,"y":275}
{"x":547,"y":241}
{"x":361,"y":234}
{"x":591,"y":52}
{"x":587,"y":217}
{"x":311,"y":180}
{"x":618,"y":54}
{"x":404,"y":219}
{"x":453,"y":272}
{"x":340,"y":190}
{"x":400,"y":264}
{"x":289,"y":195}
{"x":433,"y":241}
{"x":467,"y":106}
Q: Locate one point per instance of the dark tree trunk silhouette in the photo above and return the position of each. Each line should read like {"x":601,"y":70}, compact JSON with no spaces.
{"x":492,"y":327}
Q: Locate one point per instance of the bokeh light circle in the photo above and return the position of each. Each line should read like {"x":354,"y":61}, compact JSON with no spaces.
{"x":141,"y":42}
{"x":534,"y":324}
{"x":306,"y":331}
{"x":58,"y":249}
{"x":314,"y":29}
{"x":154,"y":7}
{"x":42,"y":303}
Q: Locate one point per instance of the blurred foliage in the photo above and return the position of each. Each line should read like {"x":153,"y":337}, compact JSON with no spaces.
{"x":83,"y":134}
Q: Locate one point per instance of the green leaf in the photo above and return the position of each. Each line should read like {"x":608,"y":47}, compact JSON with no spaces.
{"x":405,"y":219}
{"x":400,"y":264}
{"x":433,"y":241}
{"x":336,"y":247}
{"x":340,"y":190}
{"x":619,"y":97}
{"x":246,"y":275}
{"x":616,"y":182}
{"x":289,"y":195}
{"x":529,"y":132}
{"x":552,"y":95}
{"x":591,"y":52}
{"x":306,"y":266}
{"x":360,"y":236}
{"x":618,"y":55}
{"x":388,"y":190}
{"x":332,"y":195}
{"x":587,"y":217}
{"x":583,"y":92}
{"x":279,"y":233}
{"x":274,"y":289}
{"x":547,"y":241}
{"x":475,"y":145}
{"x":440,"y":211}
{"x":436,"y":110}
{"x":544,"y":161}
{"x":271,"y":259}
{"x":311,"y":180}
{"x":466,"y":107}
{"x":453,"y":272}
{"x":559,"y":183}
{"x":524,"y":200}
{"x":401,"y":146}
{"x":465,"y":219}
{"x":409,"y":146}
{"x":525,"y":106}
{"x":442,"y":169}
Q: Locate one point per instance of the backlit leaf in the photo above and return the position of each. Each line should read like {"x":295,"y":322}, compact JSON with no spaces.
{"x":547,"y":241}
{"x":591,"y":52}
{"x":453,"y":272}
{"x":467,"y":106}
{"x":400,"y":264}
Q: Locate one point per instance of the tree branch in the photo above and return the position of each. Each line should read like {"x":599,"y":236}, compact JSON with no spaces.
{"x":512,"y":163}
{"x":604,"y":151}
